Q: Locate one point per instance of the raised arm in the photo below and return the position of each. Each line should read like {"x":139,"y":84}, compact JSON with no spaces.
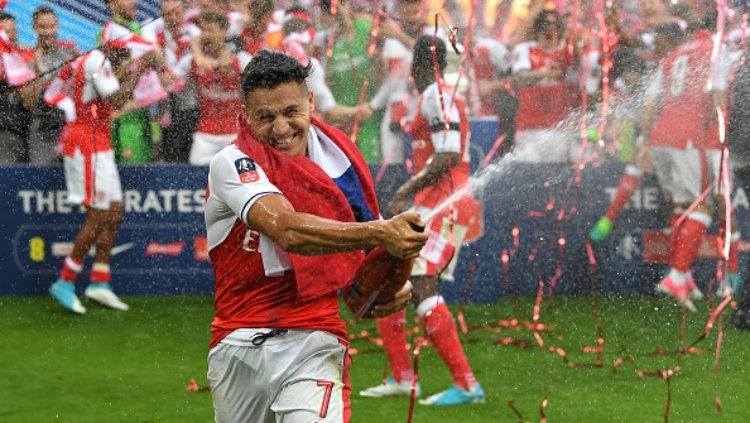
{"x":303,"y":233}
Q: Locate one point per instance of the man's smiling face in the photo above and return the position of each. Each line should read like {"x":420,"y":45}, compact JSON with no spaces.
{"x":280,"y":116}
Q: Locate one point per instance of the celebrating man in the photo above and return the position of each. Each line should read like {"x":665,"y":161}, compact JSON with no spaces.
{"x":291,"y":206}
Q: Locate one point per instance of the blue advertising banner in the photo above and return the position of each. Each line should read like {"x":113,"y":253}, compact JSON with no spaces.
{"x":161,"y":248}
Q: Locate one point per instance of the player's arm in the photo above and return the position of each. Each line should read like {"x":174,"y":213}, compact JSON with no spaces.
{"x":303,"y":233}
{"x":117,"y":86}
{"x":32,"y":90}
{"x":438,"y":165}
{"x":390,"y":29}
{"x":523,"y":74}
{"x":241,"y":185}
{"x":334,"y":113}
{"x":446,"y":142}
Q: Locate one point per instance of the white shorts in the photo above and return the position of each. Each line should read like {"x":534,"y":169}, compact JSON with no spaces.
{"x":297,"y":377}
{"x":92,"y":180}
{"x":681,"y":173}
{"x":423,"y":267}
{"x":205,"y":147}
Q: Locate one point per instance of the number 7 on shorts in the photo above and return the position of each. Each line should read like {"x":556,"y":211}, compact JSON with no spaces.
{"x":326,"y":397}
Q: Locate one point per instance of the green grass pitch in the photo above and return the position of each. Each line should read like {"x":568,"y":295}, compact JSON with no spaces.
{"x":133,"y":367}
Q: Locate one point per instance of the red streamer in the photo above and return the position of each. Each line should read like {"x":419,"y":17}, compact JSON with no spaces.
{"x":417,"y":349}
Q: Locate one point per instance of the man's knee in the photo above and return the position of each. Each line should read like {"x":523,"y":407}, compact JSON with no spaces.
{"x":423,"y":287}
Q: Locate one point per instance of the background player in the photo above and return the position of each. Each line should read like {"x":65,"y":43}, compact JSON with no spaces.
{"x":90,"y":171}
{"x":441,"y":159}
{"x":687,"y":89}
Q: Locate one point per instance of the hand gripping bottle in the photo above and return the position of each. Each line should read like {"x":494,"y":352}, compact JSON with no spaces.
{"x":378,"y":279}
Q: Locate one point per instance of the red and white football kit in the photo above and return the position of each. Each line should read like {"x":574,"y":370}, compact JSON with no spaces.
{"x":491,"y":60}
{"x":543,"y":105}
{"x":278,"y":350}
{"x":685,"y":136}
{"x":393,"y":97}
{"x":429,"y":137}
{"x":220,"y":102}
{"x":176,"y":47}
{"x":686,"y":148}
{"x":90,"y":170}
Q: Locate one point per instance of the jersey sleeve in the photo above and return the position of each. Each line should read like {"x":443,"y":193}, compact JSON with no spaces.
{"x":443,"y":141}
{"x":99,"y":70}
{"x":655,"y":85}
{"x":150,"y":31}
{"x":521,"y":58}
{"x":183,"y":65}
{"x":238,"y":181}
{"x":316,"y":82}
{"x":500,"y":59}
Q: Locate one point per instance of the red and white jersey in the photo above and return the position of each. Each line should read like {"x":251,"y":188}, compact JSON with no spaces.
{"x":682,"y":87}
{"x":175,"y":48}
{"x":219,"y":96}
{"x":429,"y":137}
{"x":395,"y":85}
{"x":91,"y":82}
{"x":255,"y":281}
{"x":491,"y":60}
{"x":118,"y":35}
{"x":236,"y":22}
{"x":547,"y":103}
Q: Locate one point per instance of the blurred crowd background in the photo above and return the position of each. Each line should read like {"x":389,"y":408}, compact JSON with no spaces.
{"x":526,"y":64}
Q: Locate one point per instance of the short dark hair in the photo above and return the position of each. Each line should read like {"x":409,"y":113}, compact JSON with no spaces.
{"x":269,"y":69}
{"x":542,"y":21}
{"x":7,"y":17}
{"x":295,"y":25}
{"x":213,"y":17}
{"x":42,"y":10}
{"x":423,"y":53}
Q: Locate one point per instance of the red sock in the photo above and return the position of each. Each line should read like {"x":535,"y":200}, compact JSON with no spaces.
{"x":70,"y":270}
{"x":630,"y":182}
{"x":687,"y":239}
{"x":392,"y":330}
{"x":441,"y":331}
{"x":100,"y":273}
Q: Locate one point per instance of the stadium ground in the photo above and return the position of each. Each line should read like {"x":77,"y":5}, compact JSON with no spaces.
{"x":133,"y":367}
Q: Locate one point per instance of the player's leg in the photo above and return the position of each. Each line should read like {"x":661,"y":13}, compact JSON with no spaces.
{"x":108,"y":199}
{"x":78,"y":177}
{"x":316,"y":388}
{"x":629,"y":183}
{"x":440,"y":329}
{"x":392,"y":330}
{"x":239,"y":390}
{"x":686,"y":184}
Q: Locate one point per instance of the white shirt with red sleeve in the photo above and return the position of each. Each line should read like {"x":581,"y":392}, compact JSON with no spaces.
{"x":316,"y":82}
{"x":235,"y":183}
{"x":100,"y":80}
{"x":175,"y":48}
{"x":442,"y":141}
